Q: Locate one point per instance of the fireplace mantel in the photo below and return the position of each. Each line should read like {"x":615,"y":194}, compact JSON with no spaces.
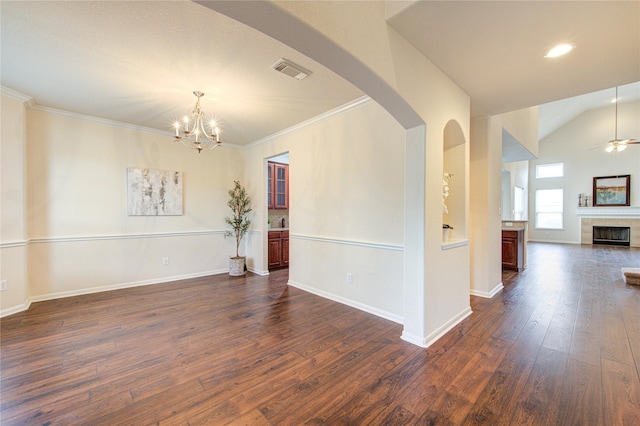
{"x":627,"y":212}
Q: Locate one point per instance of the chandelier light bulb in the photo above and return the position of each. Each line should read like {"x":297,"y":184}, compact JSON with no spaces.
{"x":193,"y":125}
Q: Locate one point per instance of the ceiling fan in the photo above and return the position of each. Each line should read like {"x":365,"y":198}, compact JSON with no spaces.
{"x":616,"y":144}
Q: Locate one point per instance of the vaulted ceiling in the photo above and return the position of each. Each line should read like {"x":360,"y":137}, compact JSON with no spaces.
{"x":138,"y":62}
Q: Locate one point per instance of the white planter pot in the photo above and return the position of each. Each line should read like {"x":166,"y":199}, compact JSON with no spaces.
{"x":236,"y":266}
{"x":446,"y":233}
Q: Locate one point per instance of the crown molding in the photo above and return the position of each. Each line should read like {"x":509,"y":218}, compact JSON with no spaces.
{"x":15,"y":95}
{"x":99,"y":120}
{"x":350,"y":105}
{"x":30,"y":103}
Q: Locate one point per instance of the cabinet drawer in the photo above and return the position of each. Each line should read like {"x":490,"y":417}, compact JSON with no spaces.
{"x":274,"y":234}
{"x":509,"y":234}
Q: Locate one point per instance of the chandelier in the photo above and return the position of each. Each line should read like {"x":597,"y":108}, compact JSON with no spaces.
{"x":191,"y":131}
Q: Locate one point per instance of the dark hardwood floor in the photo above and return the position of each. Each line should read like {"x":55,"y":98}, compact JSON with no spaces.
{"x":560,"y":345}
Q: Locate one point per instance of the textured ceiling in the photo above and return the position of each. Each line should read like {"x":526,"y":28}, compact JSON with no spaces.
{"x":494,"y":49}
{"x":139,"y":61}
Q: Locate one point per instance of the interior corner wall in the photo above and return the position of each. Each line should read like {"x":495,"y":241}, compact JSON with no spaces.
{"x":79,"y":236}
{"x":580,"y":145}
{"x":346,"y":205}
{"x":13,"y":246}
{"x":486,"y":194}
{"x":523,"y":126}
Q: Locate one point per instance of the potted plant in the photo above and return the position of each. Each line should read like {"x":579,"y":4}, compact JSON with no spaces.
{"x":240,"y":204}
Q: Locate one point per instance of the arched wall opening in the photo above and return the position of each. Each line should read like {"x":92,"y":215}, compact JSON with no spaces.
{"x":410,"y":88}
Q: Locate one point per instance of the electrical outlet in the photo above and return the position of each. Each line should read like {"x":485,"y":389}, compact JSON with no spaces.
{"x":165,"y":260}
{"x":349,"y":278}
{"x":3,"y":285}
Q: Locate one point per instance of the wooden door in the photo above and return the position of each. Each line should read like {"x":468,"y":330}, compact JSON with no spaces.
{"x":275,"y":252}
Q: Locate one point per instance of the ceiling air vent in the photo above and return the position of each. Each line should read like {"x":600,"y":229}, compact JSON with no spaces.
{"x":292,"y":70}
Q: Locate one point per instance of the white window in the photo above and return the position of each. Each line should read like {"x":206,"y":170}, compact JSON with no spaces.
{"x":549,"y":208}
{"x":518,"y":203}
{"x":549,"y":170}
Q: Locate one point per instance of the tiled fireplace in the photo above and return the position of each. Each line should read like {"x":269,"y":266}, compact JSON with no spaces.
{"x":587,"y":224}
{"x":614,"y":217}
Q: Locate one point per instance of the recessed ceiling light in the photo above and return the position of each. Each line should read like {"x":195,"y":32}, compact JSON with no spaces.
{"x":559,"y":50}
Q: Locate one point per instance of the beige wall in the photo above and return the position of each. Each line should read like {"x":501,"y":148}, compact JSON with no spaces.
{"x":486,"y":192}
{"x":346,"y":206}
{"x":523,"y":126}
{"x":486,"y":182}
{"x":78,"y":236}
{"x":13,"y":246}
{"x":346,"y":216}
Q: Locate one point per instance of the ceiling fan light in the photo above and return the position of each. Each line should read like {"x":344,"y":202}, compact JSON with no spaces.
{"x":610,"y":148}
{"x":559,"y":50}
{"x":621,"y":147}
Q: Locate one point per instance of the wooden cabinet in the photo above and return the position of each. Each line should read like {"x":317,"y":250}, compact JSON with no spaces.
{"x":278,"y":249}
{"x":270,"y":173}
{"x":513,"y":249}
{"x":278,"y":184}
{"x":285,"y":249}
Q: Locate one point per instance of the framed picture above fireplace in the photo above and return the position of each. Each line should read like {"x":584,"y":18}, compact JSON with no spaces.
{"x":611,"y":191}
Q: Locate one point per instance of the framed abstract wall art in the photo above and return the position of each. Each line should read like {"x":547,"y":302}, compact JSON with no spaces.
{"x":153,"y":192}
{"x":611,"y":191}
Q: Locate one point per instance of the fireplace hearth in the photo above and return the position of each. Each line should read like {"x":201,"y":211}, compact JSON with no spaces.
{"x":612,"y":235}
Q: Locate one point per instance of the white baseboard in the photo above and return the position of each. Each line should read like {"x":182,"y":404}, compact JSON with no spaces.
{"x":51,"y":296}
{"x":489,"y":294}
{"x":538,"y":240}
{"x":257,"y":272}
{"x":15,"y":309}
{"x":412,"y":338}
{"x":427,"y":341}
{"x":361,"y":306}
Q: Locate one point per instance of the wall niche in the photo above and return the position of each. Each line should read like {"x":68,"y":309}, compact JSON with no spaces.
{"x":454,"y":166}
